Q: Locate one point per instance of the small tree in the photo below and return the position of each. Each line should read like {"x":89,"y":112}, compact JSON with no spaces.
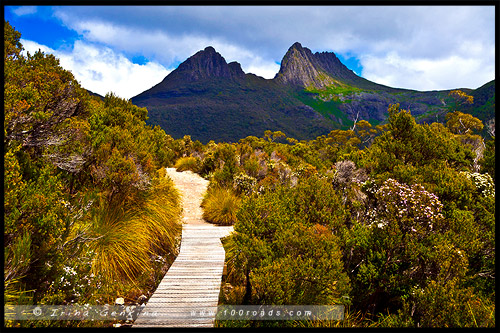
{"x":463,"y":123}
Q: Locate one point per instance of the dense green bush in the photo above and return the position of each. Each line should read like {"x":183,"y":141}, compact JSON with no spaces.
{"x":287,"y":252}
{"x":407,"y":214}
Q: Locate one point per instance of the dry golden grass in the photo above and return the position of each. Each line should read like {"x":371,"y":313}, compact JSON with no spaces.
{"x":125,"y":239}
{"x":188,"y":163}
{"x":220,"y":206}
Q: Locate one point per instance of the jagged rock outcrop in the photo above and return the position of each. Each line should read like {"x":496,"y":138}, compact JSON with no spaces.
{"x":299,"y":67}
{"x":208,"y":63}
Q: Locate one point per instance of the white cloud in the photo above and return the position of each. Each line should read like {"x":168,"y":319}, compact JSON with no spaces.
{"x":404,"y":46}
{"x":169,"y":48}
{"x":25,"y":10}
{"x":428,"y":74}
{"x":101,"y":70}
{"x":415,"y":47}
{"x":266,"y":70}
{"x":32,"y":47}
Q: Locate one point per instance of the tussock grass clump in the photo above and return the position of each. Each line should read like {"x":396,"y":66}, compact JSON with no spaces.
{"x":188,"y":163}
{"x":220,"y":206}
{"x":125,"y":240}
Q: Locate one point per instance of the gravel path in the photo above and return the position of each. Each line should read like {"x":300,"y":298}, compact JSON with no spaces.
{"x":192,"y":188}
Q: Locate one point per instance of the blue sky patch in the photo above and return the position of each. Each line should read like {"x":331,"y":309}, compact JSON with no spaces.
{"x":352,"y":63}
{"x":41,"y":27}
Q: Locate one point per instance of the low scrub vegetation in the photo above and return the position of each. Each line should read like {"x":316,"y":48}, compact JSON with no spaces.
{"x":187,"y":163}
{"x":89,"y":215}
{"x":396,"y":221}
{"x":220,"y":206}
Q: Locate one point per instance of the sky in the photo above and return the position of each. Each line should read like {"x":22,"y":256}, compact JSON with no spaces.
{"x":128,"y":49}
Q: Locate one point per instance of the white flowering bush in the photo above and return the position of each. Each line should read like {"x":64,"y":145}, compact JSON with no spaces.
{"x":75,"y":284}
{"x":304,"y":170}
{"x":244,"y":184}
{"x":483,"y":182}
{"x":412,"y":206}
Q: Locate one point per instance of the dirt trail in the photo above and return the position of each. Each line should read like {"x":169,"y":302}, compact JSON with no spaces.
{"x":192,"y":187}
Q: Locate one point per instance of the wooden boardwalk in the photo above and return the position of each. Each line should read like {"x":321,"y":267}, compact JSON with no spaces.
{"x":188,"y":294}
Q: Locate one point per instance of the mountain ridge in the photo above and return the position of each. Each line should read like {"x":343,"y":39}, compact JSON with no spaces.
{"x":312,"y":94}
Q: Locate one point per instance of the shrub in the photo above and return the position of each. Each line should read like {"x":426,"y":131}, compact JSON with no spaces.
{"x":411,"y":207}
{"x":309,"y":271}
{"x":449,"y":305}
{"x":220,"y":206}
{"x":123,"y":241}
{"x":284,"y":250}
{"x":244,"y":184}
{"x":188,"y":163}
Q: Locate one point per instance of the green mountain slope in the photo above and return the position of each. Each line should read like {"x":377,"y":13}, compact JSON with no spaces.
{"x":312,"y":94}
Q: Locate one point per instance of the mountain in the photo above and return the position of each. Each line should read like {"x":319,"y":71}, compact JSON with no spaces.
{"x":207,"y":98}
{"x":302,"y":68}
{"x":207,"y":64}
{"x":312,"y":94}
{"x":91,"y":93}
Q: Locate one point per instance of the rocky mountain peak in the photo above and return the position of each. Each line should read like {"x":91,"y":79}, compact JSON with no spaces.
{"x":333,"y":66}
{"x":209,"y":49}
{"x":299,"y":67}
{"x":208,"y":63}
{"x":296,"y":46}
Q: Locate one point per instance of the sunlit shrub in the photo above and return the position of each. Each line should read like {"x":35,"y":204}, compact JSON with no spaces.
{"x":284,"y":250}
{"x":188,"y":163}
{"x":220,"y":206}
{"x":309,"y":271}
{"x":483,"y":182}
{"x":244,"y":184}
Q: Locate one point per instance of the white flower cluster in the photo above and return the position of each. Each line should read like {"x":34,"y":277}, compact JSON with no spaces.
{"x":376,"y":219}
{"x":406,"y":202}
{"x":483,"y":182}
{"x":69,"y":270}
{"x":244,"y":183}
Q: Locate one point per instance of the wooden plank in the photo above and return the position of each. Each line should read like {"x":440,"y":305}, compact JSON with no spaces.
{"x":194,"y":270}
{"x":208,"y":273}
{"x":194,"y":287}
{"x":196,"y":284}
{"x":179,"y":303}
{"x":188,"y":293}
{"x":172,"y":282}
{"x":184,"y":298}
{"x":194,"y":279}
